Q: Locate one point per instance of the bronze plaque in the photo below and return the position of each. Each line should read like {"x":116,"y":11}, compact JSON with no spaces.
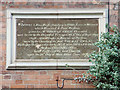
{"x":55,"y":38}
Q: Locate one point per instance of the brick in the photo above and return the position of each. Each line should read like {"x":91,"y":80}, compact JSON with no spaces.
{"x":48,"y":2}
{"x":66,"y":72}
{"x":3,"y":68}
{"x":56,"y":77}
{"x":7,"y":81}
{"x":52,"y":72}
{"x":0,"y":63}
{"x":3,"y":31}
{"x":31,"y":73}
{"x":4,"y":43}
{"x":52,"y":82}
{"x":7,"y":77}
{"x":0,"y":69}
{"x":49,"y":6}
{"x":25,"y":77}
{"x":16,"y":77}
{"x":4,"y":48}
{"x":19,"y":72}
{"x":59,"y":71}
{"x":60,"y":3}
{"x":30,"y":7}
{"x":1,"y":13}
{"x":3,"y":63}
{"x":4,"y":25}
{"x":5,"y":72}
{"x":31,"y":82}
{"x":60,"y":6}
{"x":43,"y":72}
{"x":17,"y":86}
{"x":72,"y":3}
{"x":57,"y":74}
{"x":42,"y":86}
{"x":1,"y":78}
{"x":14,"y":6}
{"x":0,"y":8}
{"x":19,"y":82}
{"x":53,"y":86}
{"x":10,"y":72}
{"x":30,"y":86}
{"x":19,"y":2}
{"x":3,"y":19}
{"x":5,"y":86}
{"x":3,"y":40}
{"x":67,"y":82}
{"x":42,"y":77}
{"x":67,"y":76}
{"x":43,"y":81}
{"x":69,"y":86}
{"x":75,"y":72}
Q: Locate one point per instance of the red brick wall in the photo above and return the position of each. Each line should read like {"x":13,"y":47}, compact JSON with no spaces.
{"x":41,"y":78}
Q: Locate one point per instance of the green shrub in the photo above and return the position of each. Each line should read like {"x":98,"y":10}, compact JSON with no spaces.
{"x":106,"y":62}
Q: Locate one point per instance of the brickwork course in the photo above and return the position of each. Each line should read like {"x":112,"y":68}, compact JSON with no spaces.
{"x":43,"y":78}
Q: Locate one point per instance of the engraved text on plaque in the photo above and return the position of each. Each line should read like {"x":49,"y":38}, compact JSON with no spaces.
{"x":55,"y":38}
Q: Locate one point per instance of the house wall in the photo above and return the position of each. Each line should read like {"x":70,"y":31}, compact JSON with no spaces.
{"x":42,"y":78}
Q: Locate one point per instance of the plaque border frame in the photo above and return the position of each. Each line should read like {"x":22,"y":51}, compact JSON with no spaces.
{"x":12,"y":14}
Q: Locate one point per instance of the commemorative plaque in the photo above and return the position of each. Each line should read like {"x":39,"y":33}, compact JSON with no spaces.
{"x":52,"y":38}
{"x":55,"y":38}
